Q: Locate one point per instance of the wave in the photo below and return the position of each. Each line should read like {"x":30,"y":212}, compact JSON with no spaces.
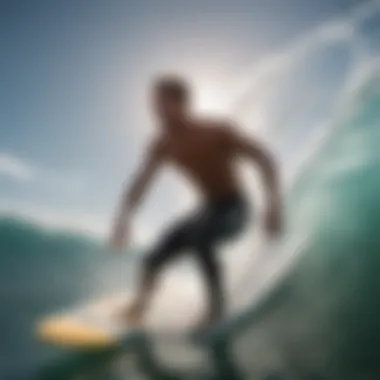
{"x":323,"y":319}
{"x":42,"y":271}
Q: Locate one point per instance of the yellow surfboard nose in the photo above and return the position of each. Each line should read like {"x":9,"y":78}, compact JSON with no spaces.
{"x":68,"y":332}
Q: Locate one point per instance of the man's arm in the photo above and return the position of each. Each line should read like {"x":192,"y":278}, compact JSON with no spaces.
{"x":256,"y":151}
{"x":133,"y":195}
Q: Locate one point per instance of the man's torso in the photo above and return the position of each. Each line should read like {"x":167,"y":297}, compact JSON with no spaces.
{"x":203,"y":154}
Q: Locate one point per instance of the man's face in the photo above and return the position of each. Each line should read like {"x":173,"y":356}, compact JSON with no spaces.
{"x":167,"y":107}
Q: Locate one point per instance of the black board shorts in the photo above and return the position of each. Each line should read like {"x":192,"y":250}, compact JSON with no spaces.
{"x":212,"y":223}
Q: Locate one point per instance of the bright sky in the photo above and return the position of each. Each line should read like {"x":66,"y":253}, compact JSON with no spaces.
{"x":74,"y":115}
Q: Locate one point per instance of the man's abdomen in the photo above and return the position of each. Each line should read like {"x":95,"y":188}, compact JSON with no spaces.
{"x":218,"y":184}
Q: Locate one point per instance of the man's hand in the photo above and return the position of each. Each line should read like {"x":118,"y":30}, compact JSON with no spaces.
{"x":119,"y":235}
{"x":273,"y":222}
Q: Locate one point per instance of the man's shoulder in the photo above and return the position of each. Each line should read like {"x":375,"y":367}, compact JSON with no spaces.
{"x":216,"y":125}
{"x":158,"y":145}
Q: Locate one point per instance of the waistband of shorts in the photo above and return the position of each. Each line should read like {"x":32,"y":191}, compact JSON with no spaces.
{"x":235,"y":197}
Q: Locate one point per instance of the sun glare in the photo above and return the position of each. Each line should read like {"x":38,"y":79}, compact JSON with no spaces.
{"x":210,"y":99}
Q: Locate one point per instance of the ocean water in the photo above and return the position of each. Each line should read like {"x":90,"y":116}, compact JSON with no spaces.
{"x":321,"y":322}
{"x":322,"y":319}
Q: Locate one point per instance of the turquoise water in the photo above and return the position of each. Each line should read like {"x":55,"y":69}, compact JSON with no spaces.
{"x":42,"y":271}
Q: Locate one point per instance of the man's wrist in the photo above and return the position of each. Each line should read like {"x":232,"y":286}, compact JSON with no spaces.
{"x":122,"y":218}
{"x":275,"y":200}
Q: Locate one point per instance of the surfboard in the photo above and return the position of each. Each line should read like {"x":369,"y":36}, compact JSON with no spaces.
{"x":99,"y":324}
{"x":91,"y":325}
{"x":173,"y":315}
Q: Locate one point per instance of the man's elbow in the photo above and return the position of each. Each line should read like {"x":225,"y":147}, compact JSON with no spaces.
{"x":269,"y":166}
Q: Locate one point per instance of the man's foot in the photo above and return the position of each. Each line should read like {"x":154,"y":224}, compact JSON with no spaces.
{"x":133,"y":315}
{"x":207,"y":321}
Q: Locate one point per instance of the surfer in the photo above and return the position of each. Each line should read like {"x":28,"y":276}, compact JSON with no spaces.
{"x":205,"y":151}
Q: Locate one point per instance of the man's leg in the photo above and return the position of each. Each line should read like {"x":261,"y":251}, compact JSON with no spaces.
{"x":213,"y":280}
{"x":169,"y":248}
{"x":220,"y":222}
{"x":145,"y":289}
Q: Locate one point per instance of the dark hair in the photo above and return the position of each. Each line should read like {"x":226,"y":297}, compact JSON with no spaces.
{"x":174,"y":87}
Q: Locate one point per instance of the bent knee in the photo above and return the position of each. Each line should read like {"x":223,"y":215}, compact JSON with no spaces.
{"x":152,"y":263}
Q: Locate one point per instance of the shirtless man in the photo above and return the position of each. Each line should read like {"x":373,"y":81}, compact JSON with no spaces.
{"x":206,"y":152}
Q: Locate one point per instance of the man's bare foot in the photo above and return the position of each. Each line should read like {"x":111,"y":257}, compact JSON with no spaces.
{"x":133,"y":315}
{"x":208,"y":320}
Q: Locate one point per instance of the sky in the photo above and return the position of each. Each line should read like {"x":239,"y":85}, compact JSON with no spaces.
{"x":75,"y":74}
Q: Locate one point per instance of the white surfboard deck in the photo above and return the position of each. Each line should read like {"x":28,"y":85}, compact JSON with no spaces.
{"x":100,"y":324}
{"x":173,"y":315}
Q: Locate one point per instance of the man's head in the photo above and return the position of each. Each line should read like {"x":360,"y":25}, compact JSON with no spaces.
{"x":171,"y":98}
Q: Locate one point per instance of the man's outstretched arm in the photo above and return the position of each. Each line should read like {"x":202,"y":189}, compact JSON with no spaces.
{"x":133,"y":195}
{"x":264,"y":159}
